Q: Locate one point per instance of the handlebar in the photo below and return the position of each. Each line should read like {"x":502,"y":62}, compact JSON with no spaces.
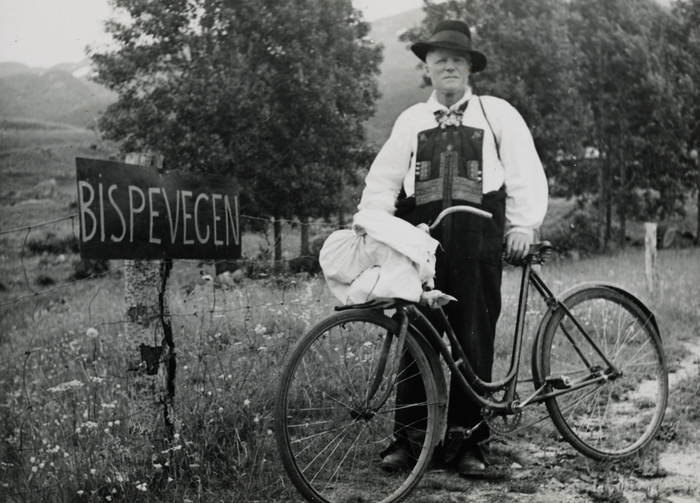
{"x":459,"y":209}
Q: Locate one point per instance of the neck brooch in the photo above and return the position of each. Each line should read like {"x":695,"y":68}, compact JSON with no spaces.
{"x":446,"y":118}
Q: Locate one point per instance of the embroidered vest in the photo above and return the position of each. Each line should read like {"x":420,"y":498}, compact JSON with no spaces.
{"x":449,"y":162}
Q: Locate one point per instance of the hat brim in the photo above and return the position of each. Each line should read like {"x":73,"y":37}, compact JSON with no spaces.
{"x":421,"y":49}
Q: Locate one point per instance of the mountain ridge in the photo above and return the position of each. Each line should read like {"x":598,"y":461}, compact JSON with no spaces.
{"x":65,"y":93}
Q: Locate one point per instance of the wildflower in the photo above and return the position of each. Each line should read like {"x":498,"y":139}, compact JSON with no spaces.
{"x":93,"y":471}
{"x":35,"y":469}
{"x":170,"y":479}
{"x":259,"y":329}
{"x":246,"y":402}
{"x":81,"y":492}
{"x":262,"y":349}
{"x":117,"y":422}
{"x":221,"y":409}
{"x":67,"y":386}
{"x":157,"y":466}
{"x":141,"y":486}
{"x":32,"y":459}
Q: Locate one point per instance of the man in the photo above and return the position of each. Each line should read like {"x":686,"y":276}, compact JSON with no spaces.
{"x":458,"y":148}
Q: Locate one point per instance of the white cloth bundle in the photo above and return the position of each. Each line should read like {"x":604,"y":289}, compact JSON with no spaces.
{"x":382,"y":257}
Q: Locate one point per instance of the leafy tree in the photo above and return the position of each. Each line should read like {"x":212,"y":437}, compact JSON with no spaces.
{"x":272,"y":91}
{"x":595,"y":83}
{"x":635,"y":114}
{"x":684,"y":34}
{"x":531,"y":64}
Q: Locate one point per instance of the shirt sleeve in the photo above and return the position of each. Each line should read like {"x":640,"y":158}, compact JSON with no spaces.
{"x":386,"y":175}
{"x":525,"y":180}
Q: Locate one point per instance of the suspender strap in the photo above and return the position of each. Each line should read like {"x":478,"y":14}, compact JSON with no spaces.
{"x":498,"y":147}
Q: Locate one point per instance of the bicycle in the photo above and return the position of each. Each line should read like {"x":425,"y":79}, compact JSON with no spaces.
{"x":597,"y":364}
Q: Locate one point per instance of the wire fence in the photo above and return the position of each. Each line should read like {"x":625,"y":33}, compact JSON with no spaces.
{"x":67,"y":429}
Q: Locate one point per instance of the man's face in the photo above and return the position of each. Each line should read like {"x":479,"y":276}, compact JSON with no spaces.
{"x":448,"y":70}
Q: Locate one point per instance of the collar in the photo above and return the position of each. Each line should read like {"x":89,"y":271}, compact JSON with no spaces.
{"x":434,"y":105}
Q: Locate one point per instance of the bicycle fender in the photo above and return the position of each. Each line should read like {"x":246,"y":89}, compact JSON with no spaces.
{"x":439,"y":374}
{"x":538,"y":380}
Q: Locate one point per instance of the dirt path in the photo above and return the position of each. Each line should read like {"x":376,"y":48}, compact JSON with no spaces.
{"x":534,"y":470}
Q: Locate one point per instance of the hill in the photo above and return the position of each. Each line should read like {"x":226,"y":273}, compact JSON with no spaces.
{"x":400,"y":79}
{"x":61,"y":94}
{"x":64,"y":93}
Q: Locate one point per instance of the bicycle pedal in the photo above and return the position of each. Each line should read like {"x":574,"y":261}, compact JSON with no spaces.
{"x":458,"y":433}
{"x":561,"y":382}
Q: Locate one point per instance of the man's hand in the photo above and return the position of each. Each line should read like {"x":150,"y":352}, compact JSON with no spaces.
{"x":517,"y":245}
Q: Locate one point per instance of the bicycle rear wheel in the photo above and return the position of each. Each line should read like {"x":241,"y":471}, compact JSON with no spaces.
{"x":621,"y":414}
{"x":336,"y":410}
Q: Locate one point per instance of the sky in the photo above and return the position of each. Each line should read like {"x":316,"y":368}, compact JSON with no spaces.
{"x":44,"y":33}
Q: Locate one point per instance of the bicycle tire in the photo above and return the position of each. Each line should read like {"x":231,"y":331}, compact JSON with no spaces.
{"x":620,"y":416}
{"x":328,"y":437}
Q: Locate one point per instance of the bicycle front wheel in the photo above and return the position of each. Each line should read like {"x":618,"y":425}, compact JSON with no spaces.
{"x":338,"y":410}
{"x":620,"y":410}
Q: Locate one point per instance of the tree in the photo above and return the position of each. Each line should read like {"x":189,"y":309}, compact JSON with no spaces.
{"x":628,"y":86}
{"x":595,"y":84}
{"x":685,"y":36}
{"x":273,"y":92}
{"x":531,"y":64}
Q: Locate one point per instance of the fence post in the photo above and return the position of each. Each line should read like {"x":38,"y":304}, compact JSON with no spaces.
{"x":151,"y":382}
{"x":650,"y":255}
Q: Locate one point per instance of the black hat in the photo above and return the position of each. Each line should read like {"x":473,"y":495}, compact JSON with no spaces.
{"x":454,"y":35}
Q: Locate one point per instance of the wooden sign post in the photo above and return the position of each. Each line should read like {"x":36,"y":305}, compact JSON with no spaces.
{"x":138,"y":212}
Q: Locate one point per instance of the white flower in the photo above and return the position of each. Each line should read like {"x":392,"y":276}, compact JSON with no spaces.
{"x":92,"y":333}
{"x":246,"y":402}
{"x":67,"y":386}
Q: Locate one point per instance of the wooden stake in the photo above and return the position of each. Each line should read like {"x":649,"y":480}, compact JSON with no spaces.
{"x":650,"y":255}
{"x":150,"y":340}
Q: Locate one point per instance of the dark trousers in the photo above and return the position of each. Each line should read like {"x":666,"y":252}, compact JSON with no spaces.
{"x":469,"y":267}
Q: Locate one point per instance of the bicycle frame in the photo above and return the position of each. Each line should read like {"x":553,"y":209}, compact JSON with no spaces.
{"x":473,"y":386}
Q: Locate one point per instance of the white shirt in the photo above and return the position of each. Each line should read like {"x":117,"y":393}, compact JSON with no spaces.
{"x":519,"y":167}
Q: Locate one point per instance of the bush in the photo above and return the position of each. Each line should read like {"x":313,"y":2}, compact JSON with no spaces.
{"x":86,"y":268}
{"x":575,"y":232}
{"x":54,"y":245}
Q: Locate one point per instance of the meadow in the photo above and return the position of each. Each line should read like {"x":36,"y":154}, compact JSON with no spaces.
{"x":67,"y":431}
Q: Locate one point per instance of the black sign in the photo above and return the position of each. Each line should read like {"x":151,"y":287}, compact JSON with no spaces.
{"x":137,"y":212}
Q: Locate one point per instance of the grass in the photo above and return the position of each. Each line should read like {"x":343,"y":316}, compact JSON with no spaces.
{"x":60,"y":438}
{"x":66,"y":433}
